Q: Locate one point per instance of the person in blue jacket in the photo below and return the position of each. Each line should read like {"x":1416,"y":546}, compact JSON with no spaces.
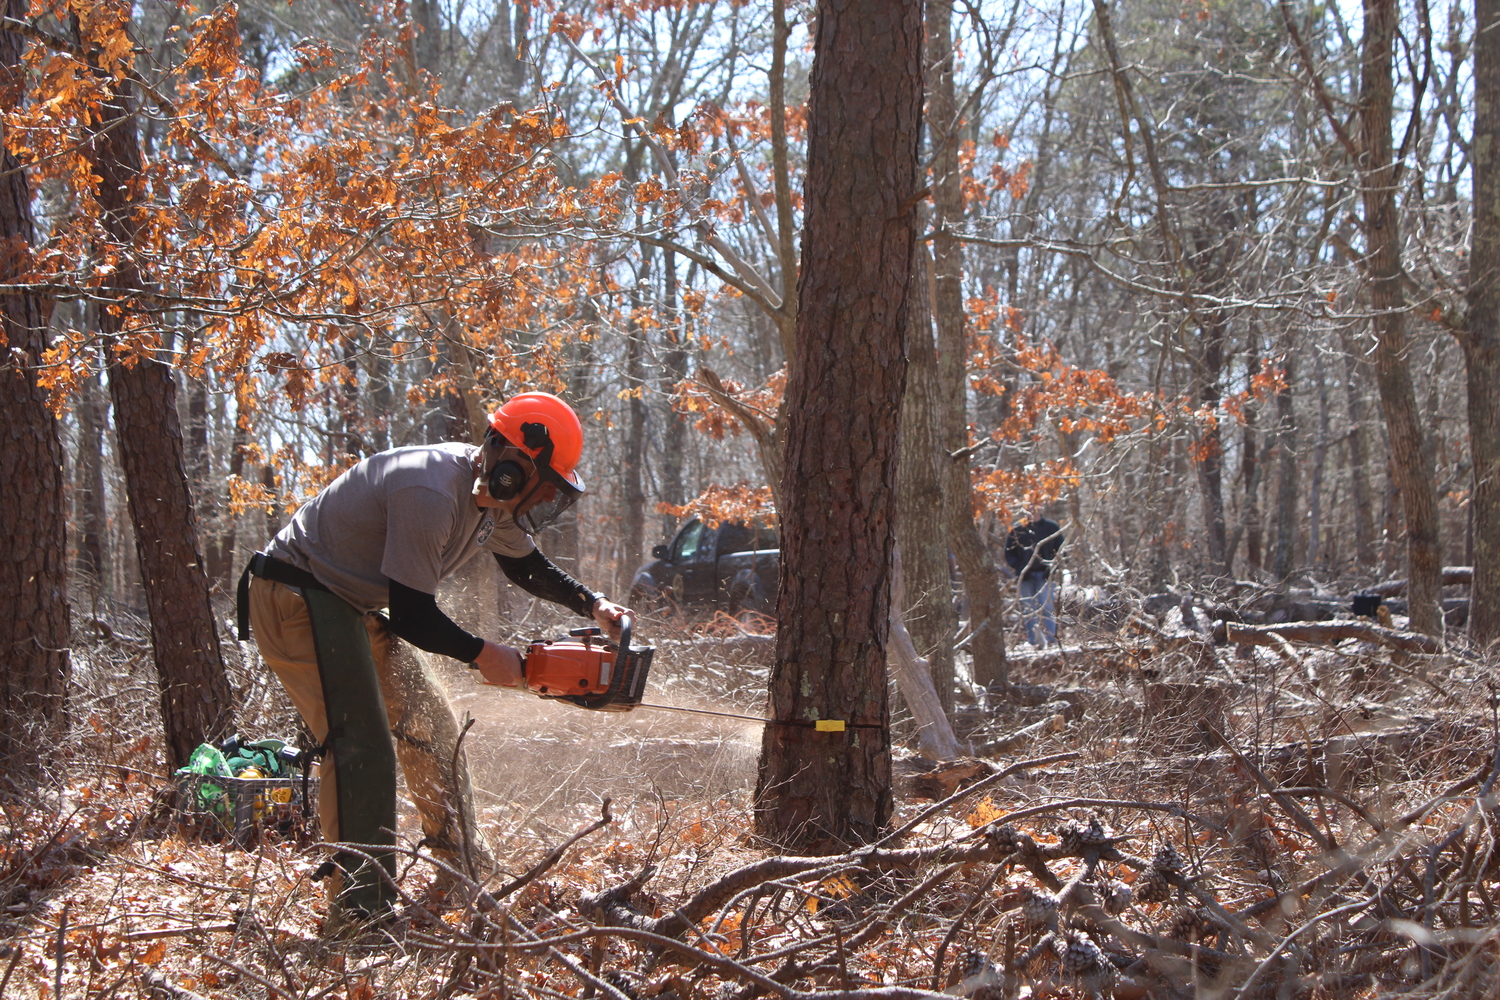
{"x":1030,"y":550}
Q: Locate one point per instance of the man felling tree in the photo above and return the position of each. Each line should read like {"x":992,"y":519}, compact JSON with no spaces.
{"x":380,"y":538}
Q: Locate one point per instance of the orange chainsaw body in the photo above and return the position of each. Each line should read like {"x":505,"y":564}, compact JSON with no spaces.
{"x":589,"y":671}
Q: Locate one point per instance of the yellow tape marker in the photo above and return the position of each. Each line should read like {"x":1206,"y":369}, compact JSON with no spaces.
{"x":829,"y":725}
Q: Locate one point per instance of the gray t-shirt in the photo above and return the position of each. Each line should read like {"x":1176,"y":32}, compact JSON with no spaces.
{"x":406,"y":515}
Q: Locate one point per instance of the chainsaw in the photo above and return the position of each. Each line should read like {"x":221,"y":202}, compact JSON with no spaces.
{"x":589,"y":670}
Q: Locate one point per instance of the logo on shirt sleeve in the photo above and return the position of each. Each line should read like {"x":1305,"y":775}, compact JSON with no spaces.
{"x":486,"y":528}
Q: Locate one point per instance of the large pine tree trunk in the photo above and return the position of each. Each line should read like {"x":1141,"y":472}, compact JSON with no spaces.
{"x":1411,"y":461}
{"x":1481,"y":340}
{"x":195,"y":694}
{"x":980,"y":578}
{"x":33,"y":581}
{"x":819,"y":791}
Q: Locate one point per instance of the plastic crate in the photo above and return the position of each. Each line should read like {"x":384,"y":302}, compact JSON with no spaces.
{"x":244,"y":806}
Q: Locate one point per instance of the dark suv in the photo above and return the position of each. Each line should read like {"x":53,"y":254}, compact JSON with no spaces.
{"x":729,"y":568}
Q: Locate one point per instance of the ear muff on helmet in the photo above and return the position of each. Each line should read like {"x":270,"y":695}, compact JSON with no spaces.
{"x":507,"y":479}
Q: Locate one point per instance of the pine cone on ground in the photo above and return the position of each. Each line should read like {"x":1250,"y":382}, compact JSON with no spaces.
{"x":974,"y":974}
{"x":970,"y":964}
{"x":1151,"y":887}
{"x":1114,"y":896}
{"x":1038,"y":909}
{"x":621,"y":982}
{"x":1077,"y":836}
{"x":1195,"y":924}
{"x":1168,"y":859}
{"x":1006,"y":839}
{"x":1155,"y":884}
{"x":1082,"y":959}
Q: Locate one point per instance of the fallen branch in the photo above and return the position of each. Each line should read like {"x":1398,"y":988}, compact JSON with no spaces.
{"x":1291,"y":808}
{"x":555,"y":855}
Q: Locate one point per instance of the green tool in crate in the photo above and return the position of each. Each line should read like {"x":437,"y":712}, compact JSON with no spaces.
{"x":208,"y":796}
{"x":240,"y":784}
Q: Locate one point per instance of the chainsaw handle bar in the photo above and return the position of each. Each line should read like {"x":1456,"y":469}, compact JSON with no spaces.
{"x":627,"y":622}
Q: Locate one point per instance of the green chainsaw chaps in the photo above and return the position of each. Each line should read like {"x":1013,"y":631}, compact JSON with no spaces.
{"x":364,"y":754}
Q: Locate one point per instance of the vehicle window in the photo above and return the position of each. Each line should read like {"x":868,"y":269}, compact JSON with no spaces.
{"x":686,"y":545}
{"x":735,"y":538}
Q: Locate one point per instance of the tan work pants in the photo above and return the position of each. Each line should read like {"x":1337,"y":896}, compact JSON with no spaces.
{"x":418,"y":713}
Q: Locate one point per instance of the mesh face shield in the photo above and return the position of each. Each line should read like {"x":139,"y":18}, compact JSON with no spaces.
{"x":549,"y":496}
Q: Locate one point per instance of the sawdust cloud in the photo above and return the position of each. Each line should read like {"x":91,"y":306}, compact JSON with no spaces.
{"x":538,"y":767}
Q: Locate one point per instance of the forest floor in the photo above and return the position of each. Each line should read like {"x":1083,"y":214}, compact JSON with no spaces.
{"x":1146,"y":814}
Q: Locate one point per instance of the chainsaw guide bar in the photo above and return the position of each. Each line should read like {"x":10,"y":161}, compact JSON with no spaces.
{"x":592,"y":672}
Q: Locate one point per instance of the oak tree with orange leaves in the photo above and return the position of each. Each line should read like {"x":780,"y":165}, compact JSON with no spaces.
{"x":253,"y":216}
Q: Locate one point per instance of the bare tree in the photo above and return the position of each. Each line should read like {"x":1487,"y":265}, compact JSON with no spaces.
{"x":1411,"y":459}
{"x":981,"y":580}
{"x":927,"y":595}
{"x":1481,"y":334}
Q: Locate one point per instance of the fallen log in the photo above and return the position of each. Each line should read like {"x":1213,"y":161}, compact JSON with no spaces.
{"x":1328,"y":634}
{"x":1453,"y":576}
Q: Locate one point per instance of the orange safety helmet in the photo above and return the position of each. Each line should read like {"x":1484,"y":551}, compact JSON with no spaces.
{"x":562,"y":445}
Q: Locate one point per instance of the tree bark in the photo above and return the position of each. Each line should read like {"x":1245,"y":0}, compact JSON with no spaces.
{"x":1410,"y":459}
{"x":1208,"y":372}
{"x":1359,"y":476}
{"x":1284,"y":547}
{"x":1320,"y":461}
{"x":819,"y":789}
{"x":633,"y":467}
{"x":34,"y":664}
{"x":922,"y":528}
{"x":981,"y":580}
{"x":674,"y":370}
{"x":1481,"y":339}
{"x":195,"y":694}
{"x":90,"y":514}
{"x":1251,"y":464}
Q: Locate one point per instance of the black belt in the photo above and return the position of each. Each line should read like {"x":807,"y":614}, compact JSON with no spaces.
{"x":268,"y":568}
